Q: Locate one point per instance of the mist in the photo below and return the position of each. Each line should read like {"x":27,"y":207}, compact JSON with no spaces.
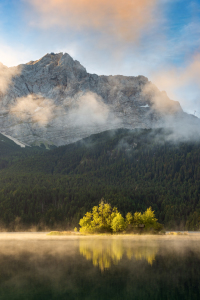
{"x":92,"y":268}
{"x":169,"y":115}
{"x":34,"y":107}
{"x":6,"y":75}
{"x":86,"y":111}
{"x":90,"y":110}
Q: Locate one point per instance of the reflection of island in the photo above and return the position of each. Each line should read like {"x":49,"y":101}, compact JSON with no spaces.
{"x":104,"y":253}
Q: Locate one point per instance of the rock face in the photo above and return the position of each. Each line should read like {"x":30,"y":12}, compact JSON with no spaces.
{"x":55,"y":101}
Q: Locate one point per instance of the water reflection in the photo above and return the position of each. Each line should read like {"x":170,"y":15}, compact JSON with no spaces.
{"x":50,"y":268}
{"x":105,"y":253}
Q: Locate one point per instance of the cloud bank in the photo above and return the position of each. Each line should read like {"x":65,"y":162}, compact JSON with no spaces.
{"x":84,"y":110}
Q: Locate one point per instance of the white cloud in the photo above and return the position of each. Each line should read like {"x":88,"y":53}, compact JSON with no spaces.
{"x":35,"y":108}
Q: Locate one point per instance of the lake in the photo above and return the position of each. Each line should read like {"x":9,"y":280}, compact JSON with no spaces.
{"x":37,"y":266}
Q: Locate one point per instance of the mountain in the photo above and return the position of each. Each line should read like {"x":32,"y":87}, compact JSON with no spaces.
{"x":131,"y":169}
{"x":111,"y":142}
{"x":55,"y":101}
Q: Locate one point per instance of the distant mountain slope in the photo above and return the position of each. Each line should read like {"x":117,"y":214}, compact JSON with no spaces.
{"x":55,"y":101}
{"x":11,"y":152}
{"x":130,"y":169}
{"x":7,"y":146}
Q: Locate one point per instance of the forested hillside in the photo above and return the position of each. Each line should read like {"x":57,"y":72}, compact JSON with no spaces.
{"x":132,"y":170}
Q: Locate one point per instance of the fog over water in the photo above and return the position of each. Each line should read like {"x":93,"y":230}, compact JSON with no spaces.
{"x":37,"y":266}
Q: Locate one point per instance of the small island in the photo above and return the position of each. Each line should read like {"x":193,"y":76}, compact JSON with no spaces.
{"x":104,"y":219}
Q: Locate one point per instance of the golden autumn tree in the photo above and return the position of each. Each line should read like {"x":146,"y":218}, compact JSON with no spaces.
{"x":99,"y":219}
{"x":104,"y":218}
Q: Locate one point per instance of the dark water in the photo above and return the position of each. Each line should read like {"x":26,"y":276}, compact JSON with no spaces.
{"x":39,"y":267}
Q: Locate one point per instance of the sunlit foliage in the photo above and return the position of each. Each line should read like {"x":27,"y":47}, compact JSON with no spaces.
{"x":100,"y":219}
{"x":147,"y":218}
{"x":118,"y":223}
{"x":104,"y":218}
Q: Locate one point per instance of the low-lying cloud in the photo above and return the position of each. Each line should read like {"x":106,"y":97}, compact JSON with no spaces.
{"x":83,"y":110}
{"x":90,"y":110}
{"x":160,"y":101}
{"x":34,"y":107}
{"x":6,"y":75}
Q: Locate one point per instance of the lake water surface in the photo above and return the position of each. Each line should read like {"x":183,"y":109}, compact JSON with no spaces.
{"x":37,"y":266}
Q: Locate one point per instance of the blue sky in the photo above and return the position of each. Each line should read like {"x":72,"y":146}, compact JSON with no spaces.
{"x":168,"y":44}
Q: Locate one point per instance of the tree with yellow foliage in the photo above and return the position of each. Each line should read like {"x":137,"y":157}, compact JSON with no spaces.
{"x":104,"y":218}
{"x":118,"y":223}
{"x":147,"y":219}
{"x":99,"y":220}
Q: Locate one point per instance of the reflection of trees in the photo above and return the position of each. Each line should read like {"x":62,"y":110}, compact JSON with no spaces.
{"x":147,"y":253}
{"x":104,"y":253}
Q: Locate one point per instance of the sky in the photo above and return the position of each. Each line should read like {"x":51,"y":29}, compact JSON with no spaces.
{"x":159,"y":39}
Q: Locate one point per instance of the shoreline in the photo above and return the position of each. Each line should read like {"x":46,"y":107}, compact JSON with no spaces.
{"x":43,"y":236}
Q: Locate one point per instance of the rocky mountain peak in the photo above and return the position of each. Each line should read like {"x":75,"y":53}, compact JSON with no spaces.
{"x":57,"y":60}
{"x":54,"y":100}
